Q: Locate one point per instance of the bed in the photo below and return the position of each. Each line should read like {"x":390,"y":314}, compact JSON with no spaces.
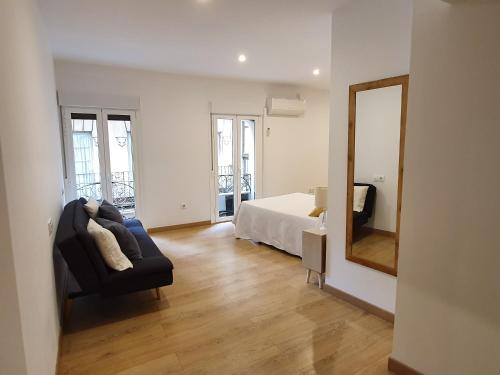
{"x":276,"y":221}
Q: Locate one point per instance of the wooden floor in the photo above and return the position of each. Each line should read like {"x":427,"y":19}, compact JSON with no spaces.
{"x":235,"y":308}
{"x":378,"y":248}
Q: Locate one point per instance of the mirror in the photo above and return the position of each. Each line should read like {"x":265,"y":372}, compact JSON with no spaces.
{"x":377,"y":122}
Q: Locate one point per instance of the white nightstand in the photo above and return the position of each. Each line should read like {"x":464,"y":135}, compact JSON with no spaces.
{"x":314,"y":253}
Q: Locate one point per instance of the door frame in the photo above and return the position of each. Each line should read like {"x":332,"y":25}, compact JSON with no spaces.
{"x":214,"y":201}
{"x":70,"y":178}
{"x":135,"y":160}
{"x":104,"y":161}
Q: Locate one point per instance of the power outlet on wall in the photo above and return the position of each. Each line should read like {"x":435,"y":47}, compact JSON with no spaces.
{"x":378,"y":178}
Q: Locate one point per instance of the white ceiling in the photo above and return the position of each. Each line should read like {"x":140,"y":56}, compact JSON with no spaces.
{"x":284,"y":40}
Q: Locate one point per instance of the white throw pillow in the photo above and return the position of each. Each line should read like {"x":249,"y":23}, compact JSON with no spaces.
{"x":358,"y":202}
{"x":92,"y":208}
{"x":108,"y":247}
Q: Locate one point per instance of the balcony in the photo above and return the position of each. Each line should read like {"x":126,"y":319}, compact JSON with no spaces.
{"x":88,"y":185}
{"x":226,"y":190}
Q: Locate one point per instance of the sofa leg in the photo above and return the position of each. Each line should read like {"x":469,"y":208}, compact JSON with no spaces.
{"x":68,"y":303}
{"x":158,"y":294}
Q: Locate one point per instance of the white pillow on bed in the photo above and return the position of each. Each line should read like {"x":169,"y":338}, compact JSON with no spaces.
{"x":358,"y":202}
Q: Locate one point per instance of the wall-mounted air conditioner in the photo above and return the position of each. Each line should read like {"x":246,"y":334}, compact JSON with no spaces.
{"x":285,"y":107}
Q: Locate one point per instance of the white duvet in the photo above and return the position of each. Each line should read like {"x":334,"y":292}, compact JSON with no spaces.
{"x":277,"y":221}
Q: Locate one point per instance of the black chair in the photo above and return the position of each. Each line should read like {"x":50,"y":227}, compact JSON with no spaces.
{"x":361,"y":218}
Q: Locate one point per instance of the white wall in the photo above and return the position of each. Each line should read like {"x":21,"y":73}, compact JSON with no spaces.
{"x":12,"y":359}
{"x":370,"y":40}
{"x":378,"y":125}
{"x":31,"y":157}
{"x":448,"y":304}
{"x":174,"y":144}
{"x":296,"y":152}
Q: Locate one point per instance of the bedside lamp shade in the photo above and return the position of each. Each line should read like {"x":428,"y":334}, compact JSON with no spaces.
{"x":321,"y":197}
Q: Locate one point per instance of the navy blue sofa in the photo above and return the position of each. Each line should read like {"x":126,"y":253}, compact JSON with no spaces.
{"x":90,"y":275}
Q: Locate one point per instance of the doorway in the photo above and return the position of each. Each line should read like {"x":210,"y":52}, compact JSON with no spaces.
{"x":236,"y":163}
{"x":99,"y":156}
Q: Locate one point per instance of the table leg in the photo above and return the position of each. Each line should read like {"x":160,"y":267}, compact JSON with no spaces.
{"x":308,"y":276}
{"x":320,"y":280}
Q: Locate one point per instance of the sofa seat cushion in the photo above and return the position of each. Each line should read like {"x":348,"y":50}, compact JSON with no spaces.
{"x":151,"y":272}
{"x":147,"y":245}
{"x":129,"y":223}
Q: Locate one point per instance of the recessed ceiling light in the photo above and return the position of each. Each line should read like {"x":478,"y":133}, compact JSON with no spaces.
{"x":316,"y":72}
{"x":242,"y":58}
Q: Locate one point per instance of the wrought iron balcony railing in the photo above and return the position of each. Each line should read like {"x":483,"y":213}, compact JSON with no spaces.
{"x":226,"y":184}
{"x":122,"y":188}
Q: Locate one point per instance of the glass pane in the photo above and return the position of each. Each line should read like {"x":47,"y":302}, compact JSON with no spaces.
{"x":120,"y":160}
{"x":86,"y":156}
{"x":247,"y":160}
{"x":377,"y":142}
{"x":225,"y":167}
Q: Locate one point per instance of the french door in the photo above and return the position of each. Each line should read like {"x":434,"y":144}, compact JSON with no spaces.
{"x":98,"y":147}
{"x":236,"y":163}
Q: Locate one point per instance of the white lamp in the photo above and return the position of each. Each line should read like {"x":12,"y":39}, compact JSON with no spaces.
{"x":321,"y":201}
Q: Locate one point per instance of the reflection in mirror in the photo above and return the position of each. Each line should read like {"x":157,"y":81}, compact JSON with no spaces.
{"x":376,"y":145}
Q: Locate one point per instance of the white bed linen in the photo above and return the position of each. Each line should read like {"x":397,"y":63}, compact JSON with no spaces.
{"x":276,"y":221}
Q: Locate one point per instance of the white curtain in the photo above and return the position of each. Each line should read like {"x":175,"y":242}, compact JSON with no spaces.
{"x":86,"y":175}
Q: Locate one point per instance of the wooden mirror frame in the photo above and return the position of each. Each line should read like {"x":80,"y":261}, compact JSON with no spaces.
{"x":353,"y":89}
